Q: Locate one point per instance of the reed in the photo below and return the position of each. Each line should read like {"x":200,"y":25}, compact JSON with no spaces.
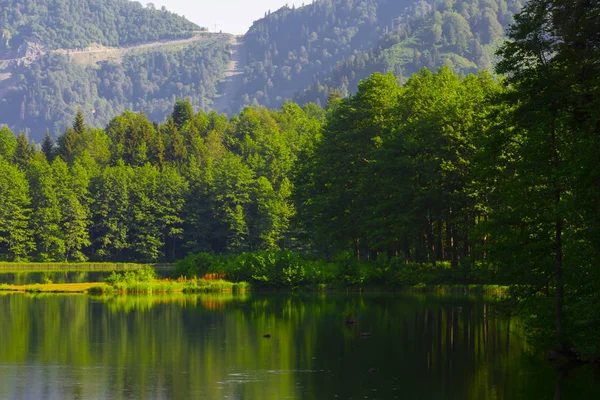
{"x":170,"y":286}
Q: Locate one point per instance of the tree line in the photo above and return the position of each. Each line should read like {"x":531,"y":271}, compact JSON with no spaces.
{"x":142,"y":191}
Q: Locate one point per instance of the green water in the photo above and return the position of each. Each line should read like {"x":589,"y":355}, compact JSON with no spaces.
{"x":212,"y":347}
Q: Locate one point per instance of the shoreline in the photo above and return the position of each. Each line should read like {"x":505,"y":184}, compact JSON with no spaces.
{"x":222,"y":286}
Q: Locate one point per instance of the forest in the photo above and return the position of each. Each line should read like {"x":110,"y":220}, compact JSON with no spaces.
{"x":499,"y":176}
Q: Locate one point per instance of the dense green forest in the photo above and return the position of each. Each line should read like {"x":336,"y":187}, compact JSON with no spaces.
{"x":331,"y":45}
{"x":71,"y":24}
{"x":141,"y":191}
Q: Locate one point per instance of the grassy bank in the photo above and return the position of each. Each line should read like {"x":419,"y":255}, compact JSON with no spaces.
{"x":223,"y":286}
{"x":50,"y":288}
{"x":87,"y":266}
{"x":157,"y":286}
{"x":169,"y":286}
{"x":285,"y":271}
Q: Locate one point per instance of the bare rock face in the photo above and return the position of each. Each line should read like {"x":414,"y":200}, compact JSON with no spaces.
{"x":26,"y":54}
{"x":29,"y":52}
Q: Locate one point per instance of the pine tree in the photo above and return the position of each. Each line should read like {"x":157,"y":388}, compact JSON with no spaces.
{"x":182,"y":113}
{"x":24,"y":151}
{"x":46,"y":216}
{"x":48,"y":147}
{"x":66,"y":144}
{"x":79,"y":122}
{"x":551,"y":143}
{"x":72,"y":189}
{"x":110,"y":212}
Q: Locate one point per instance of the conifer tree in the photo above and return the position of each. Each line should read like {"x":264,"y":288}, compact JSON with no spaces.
{"x":79,"y":122}
{"x":48,"y":147}
{"x":23,"y":152}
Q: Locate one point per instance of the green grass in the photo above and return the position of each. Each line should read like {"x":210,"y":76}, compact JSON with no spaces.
{"x":169,"y":286}
{"x":49,"y":288}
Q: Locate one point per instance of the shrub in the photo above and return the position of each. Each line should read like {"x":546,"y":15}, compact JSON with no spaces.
{"x":286,"y":269}
{"x":197,"y":265}
{"x":144,"y":274}
{"x":352,"y":272}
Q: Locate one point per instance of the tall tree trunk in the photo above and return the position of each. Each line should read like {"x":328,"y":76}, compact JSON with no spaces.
{"x":439,"y":251}
{"x":560,"y":284}
{"x":558,"y":242}
{"x":430,"y":241}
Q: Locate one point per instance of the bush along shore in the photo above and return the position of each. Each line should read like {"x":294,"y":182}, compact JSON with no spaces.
{"x":144,"y":280}
{"x":279,"y":270}
{"x":286,"y":270}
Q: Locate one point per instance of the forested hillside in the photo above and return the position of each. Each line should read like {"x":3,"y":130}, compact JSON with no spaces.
{"x":104,"y":57}
{"x":48,"y":93}
{"x":70,"y":24}
{"x":330,"y":45}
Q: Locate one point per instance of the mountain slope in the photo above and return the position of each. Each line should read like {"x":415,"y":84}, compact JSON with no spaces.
{"x":332,"y":44}
{"x":114,"y":55}
{"x":47,"y":93}
{"x":70,"y":24}
{"x":103,"y":56}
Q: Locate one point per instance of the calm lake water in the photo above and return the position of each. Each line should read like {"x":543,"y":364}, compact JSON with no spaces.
{"x":212,"y":347}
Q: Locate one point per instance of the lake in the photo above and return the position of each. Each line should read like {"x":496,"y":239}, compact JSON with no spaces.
{"x":212,"y":347}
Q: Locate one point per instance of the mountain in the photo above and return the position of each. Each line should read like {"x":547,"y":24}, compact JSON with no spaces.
{"x":70,"y":24}
{"x":103,"y":57}
{"x":330,"y":45}
{"x":108,"y":56}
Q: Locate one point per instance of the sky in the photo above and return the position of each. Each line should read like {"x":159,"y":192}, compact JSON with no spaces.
{"x":229,"y":16}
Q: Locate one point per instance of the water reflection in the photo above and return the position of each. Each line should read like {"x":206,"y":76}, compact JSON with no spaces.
{"x":32,"y":277}
{"x":212,"y":347}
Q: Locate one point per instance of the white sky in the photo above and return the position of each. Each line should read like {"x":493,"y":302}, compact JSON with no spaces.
{"x":230,"y":16}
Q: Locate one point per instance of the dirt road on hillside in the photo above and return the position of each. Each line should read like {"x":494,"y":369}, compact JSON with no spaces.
{"x":97,"y":53}
{"x":230,"y":87}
